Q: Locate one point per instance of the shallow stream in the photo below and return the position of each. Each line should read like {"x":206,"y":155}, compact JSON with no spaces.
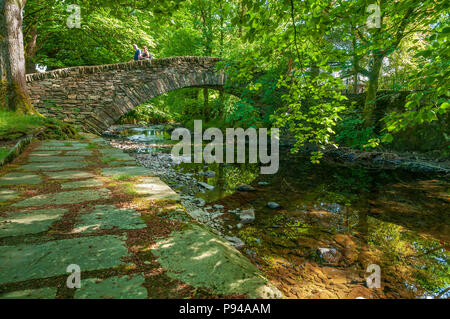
{"x":332,"y":223}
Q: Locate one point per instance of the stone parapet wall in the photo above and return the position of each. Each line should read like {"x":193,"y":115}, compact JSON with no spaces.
{"x":95,"y":97}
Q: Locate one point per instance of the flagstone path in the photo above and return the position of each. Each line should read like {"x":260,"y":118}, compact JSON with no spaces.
{"x":84,"y":203}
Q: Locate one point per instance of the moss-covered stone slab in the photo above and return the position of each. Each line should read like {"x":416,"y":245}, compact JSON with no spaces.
{"x":65,"y":198}
{"x":155,"y":189}
{"x":81,"y":184}
{"x":126,"y":171}
{"x":108,"y":217}
{"x":8,"y":194}
{"x":201,"y":259}
{"x":29,"y":222}
{"x":45,"y":153}
{"x":42,"y":293}
{"x":49,"y":159}
{"x":125,"y":163}
{"x":54,"y":166}
{"x":112,"y":288}
{"x":69,"y":175}
{"x":57,"y":148}
{"x":111,"y":154}
{"x":45,"y":260}
{"x":20,"y":179}
{"x":79,"y":153}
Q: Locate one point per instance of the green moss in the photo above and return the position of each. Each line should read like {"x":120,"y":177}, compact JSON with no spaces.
{"x":14,"y":125}
{"x":3,"y":152}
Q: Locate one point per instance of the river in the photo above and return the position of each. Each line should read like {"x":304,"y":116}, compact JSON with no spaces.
{"x":326,"y":225}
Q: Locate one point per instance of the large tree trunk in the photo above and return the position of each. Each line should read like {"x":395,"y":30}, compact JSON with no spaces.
{"x":371,"y":96}
{"x":14,"y":95}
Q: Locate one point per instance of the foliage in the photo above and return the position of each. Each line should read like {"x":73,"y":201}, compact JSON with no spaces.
{"x":352,"y":132}
{"x":432,"y":102}
{"x":146,"y":114}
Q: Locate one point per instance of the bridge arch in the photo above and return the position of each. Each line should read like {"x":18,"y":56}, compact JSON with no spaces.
{"x":95,"y":97}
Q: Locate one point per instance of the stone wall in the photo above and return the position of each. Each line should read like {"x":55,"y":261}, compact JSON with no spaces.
{"x":95,"y":97}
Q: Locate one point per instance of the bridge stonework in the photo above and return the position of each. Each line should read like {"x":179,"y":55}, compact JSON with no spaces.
{"x":95,"y":97}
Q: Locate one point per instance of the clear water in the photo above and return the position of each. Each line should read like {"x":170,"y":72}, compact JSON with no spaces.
{"x":396,"y":219}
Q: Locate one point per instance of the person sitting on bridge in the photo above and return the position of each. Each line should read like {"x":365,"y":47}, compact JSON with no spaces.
{"x":146,"y":55}
{"x":137,"y":52}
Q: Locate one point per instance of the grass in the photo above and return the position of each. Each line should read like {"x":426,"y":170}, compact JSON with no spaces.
{"x":3,"y":152}
{"x":124,"y":177}
{"x":13,"y":125}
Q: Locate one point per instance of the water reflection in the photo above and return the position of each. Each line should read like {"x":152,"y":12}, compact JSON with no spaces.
{"x":395,"y":219}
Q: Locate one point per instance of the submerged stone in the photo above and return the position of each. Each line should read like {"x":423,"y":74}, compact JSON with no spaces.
{"x":65,"y":198}
{"x":53,"y":166}
{"x":201,"y":259}
{"x":155,"y":189}
{"x":80,"y":184}
{"x":113,"y":288}
{"x":126,"y":171}
{"x":25,"y":262}
{"x":42,"y":293}
{"x":69,"y":175}
{"x":20,"y":179}
{"x":107,"y":217}
{"x":29,"y":222}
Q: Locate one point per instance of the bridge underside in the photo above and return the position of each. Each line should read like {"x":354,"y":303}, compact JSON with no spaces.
{"x":94,"y":98}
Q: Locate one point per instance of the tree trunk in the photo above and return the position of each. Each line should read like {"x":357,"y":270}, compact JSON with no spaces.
{"x":30,"y":51}
{"x":14,"y":95}
{"x":371,"y":96}
{"x":355,"y":67}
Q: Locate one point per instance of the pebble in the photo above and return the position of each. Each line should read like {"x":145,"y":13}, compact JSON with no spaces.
{"x":207,"y":186}
{"x":273,"y":205}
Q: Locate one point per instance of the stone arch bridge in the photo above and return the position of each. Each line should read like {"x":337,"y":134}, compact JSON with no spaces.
{"x":95,"y":97}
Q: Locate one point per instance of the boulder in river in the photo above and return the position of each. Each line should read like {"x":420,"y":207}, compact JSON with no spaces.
{"x":247,"y":216}
{"x":236,"y":242}
{"x":246,"y":188}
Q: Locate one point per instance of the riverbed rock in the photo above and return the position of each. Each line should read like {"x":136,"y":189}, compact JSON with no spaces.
{"x":246,"y":188}
{"x":247,"y":216}
{"x":218,"y":206}
{"x":273,"y":205}
{"x":263,"y":183}
{"x":199,"y":202}
{"x":208,"y":174}
{"x":207,"y":186}
{"x":330,"y":255}
{"x":236,"y":242}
